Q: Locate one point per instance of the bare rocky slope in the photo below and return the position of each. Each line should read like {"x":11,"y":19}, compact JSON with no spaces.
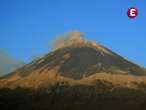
{"x":79,"y":76}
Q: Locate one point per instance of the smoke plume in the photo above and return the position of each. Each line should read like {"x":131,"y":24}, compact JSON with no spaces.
{"x":68,"y":39}
{"x":8,"y":63}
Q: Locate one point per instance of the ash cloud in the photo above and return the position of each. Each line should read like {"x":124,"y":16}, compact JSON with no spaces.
{"x":68,"y":39}
{"x":8,"y":63}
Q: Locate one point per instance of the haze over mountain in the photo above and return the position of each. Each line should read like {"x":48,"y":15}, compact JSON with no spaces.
{"x":77,"y":75}
{"x":8,"y":64}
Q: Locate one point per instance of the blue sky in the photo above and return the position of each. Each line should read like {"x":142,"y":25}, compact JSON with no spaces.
{"x":28,"y":26}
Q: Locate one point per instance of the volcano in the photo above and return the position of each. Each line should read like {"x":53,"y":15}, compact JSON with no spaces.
{"x":80,"y":60}
{"x":81,"y":75}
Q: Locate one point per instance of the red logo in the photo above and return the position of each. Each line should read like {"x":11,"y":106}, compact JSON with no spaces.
{"x":132,"y":12}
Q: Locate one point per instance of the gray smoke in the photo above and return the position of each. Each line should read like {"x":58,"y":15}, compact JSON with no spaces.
{"x":68,"y":39}
{"x":8,"y":63}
